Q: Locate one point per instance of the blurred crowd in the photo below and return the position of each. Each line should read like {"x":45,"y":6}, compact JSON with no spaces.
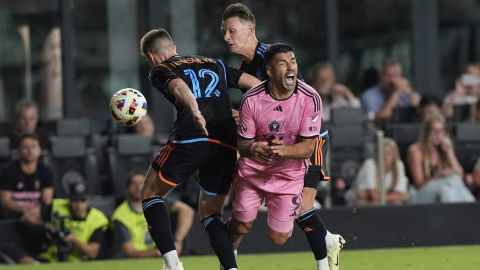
{"x":62,"y":218}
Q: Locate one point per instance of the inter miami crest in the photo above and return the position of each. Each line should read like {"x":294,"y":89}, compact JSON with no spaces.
{"x":274,"y":126}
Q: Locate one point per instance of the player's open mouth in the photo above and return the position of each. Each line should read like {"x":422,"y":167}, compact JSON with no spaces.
{"x":290,"y":78}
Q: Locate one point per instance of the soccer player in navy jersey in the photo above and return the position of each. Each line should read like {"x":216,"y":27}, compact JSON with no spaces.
{"x":238,"y":27}
{"x":203,"y":139}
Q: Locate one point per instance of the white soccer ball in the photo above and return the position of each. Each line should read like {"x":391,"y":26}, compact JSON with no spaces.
{"x":128,"y":106}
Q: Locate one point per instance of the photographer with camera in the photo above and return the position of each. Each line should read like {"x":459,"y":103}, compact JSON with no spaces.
{"x":76,"y":230}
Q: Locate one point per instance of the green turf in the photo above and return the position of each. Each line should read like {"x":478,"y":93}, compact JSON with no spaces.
{"x":439,"y":258}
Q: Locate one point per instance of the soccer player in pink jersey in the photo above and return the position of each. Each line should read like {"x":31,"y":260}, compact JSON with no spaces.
{"x":280,"y":120}
{"x":238,"y":27}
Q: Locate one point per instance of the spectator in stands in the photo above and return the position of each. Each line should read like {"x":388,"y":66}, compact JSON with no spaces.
{"x":429,"y":105}
{"x":334,"y":95}
{"x":130,"y":226}
{"x":394,"y":90}
{"x":434,"y":167}
{"x":473,"y":68}
{"x":26,"y":183}
{"x":27,"y":123}
{"x":365,"y":189}
{"x":466,"y":92}
{"x":76,"y":228}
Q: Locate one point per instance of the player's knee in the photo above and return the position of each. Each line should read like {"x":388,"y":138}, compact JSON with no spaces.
{"x":277,"y":238}
{"x":239,"y":228}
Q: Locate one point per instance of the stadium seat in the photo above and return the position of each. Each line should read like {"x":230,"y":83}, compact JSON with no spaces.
{"x":467,"y":144}
{"x":404,"y":134}
{"x":403,"y":115}
{"x":347,"y":150}
{"x":347,"y":116}
{"x":73,"y":127}
{"x":468,"y":132}
{"x":4,"y":150}
{"x":106,"y":204}
{"x":71,"y":161}
{"x":461,"y":112}
{"x":6,"y":128}
{"x":131,"y":152}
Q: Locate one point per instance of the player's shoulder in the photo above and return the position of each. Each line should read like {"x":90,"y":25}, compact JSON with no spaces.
{"x":255,"y":91}
{"x":308,"y":93}
{"x":252,"y":95}
{"x":261,"y":49}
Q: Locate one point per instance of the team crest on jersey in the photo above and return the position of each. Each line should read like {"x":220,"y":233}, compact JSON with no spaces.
{"x":274,"y":126}
{"x":315,"y":118}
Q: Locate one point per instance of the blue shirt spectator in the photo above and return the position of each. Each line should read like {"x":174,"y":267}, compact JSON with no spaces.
{"x":393,"y":91}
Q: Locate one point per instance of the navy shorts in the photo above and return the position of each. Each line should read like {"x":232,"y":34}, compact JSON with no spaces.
{"x":215,"y":162}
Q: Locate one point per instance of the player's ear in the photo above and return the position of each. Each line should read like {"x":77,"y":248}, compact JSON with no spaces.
{"x":269,"y":70}
{"x":151,"y":57}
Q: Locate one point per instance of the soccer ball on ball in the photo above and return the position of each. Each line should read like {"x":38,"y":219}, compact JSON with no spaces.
{"x":128,"y":106}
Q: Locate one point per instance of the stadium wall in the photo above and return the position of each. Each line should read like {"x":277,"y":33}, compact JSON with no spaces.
{"x":370,"y":227}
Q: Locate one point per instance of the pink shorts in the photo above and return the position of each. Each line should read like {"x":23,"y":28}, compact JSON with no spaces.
{"x":283,"y":200}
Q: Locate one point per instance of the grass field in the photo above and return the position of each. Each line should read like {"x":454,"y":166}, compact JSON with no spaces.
{"x":438,"y":258}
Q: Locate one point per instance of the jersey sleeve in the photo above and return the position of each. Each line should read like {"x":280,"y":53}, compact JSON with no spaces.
{"x":312,"y":119}
{"x":122,"y":235}
{"x":233,"y":77}
{"x":246,"y":128}
{"x":160,"y":76}
{"x":97,"y":236}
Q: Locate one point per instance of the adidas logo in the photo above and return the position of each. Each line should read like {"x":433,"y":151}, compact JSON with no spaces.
{"x":278,"y":108}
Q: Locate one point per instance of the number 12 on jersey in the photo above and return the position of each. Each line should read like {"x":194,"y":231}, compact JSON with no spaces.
{"x":211,"y":88}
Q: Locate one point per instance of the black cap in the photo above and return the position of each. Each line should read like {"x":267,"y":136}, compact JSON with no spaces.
{"x":78,"y":191}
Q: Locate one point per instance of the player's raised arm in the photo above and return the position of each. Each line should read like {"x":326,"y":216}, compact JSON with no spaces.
{"x":247,"y":81}
{"x":183,"y":95}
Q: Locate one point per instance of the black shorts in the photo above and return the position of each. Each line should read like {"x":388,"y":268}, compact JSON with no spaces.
{"x":215,"y":163}
{"x":318,"y":170}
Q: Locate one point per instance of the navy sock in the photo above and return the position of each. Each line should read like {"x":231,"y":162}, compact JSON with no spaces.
{"x":220,"y":240}
{"x":158,"y":220}
{"x":315,"y":233}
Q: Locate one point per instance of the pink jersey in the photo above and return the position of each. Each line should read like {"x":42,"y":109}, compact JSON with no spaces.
{"x":263,"y":118}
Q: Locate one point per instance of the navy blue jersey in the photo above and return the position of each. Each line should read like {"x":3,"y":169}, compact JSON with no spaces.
{"x":209,"y":80}
{"x":256,"y":68}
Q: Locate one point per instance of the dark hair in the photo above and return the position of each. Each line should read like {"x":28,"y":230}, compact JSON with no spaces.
{"x":239,"y":10}
{"x":429,"y":100}
{"x":148,"y":40}
{"x":277,"y":48}
{"x":132,"y":174}
{"x":25,"y":136}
